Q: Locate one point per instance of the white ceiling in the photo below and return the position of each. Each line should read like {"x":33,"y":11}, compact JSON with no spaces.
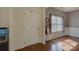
{"x":67,"y":9}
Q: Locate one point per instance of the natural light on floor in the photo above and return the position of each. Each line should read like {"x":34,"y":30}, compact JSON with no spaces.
{"x":69,"y":44}
{"x":65,"y":45}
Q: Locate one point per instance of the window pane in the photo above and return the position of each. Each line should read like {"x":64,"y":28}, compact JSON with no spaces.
{"x":56,"y":22}
{"x":53,"y":19}
{"x":59,"y":27}
{"x":54,"y":28}
{"x":59,"y":20}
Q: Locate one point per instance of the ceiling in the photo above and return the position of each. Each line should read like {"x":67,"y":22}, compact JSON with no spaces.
{"x":67,"y":9}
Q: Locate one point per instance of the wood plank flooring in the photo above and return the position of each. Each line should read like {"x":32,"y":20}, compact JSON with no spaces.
{"x":66,"y":43}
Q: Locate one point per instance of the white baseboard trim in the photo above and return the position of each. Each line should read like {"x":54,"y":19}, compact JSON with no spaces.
{"x":72,"y":31}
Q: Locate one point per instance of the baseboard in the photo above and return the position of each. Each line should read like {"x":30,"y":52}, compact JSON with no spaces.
{"x":58,"y":38}
{"x":28,"y":46}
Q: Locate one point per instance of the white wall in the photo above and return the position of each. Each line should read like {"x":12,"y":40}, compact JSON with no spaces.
{"x":73,"y":31}
{"x":24,"y":23}
{"x":33,"y":20}
{"x":16,"y":28}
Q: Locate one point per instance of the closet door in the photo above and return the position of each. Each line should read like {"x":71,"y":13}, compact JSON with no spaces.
{"x":31,"y":24}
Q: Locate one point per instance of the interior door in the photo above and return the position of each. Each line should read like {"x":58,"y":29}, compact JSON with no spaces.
{"x":31,"y":24}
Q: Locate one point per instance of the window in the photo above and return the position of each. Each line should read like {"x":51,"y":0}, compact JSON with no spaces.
{"x":56,"y":23}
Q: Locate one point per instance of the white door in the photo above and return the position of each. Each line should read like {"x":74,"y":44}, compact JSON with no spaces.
{"x":31,"y":24}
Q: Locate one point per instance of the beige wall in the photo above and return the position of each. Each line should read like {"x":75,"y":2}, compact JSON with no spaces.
{"x":4,"y":17}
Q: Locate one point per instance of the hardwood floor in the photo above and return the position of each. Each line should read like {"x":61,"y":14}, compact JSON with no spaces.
{"x":66,"y":43}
